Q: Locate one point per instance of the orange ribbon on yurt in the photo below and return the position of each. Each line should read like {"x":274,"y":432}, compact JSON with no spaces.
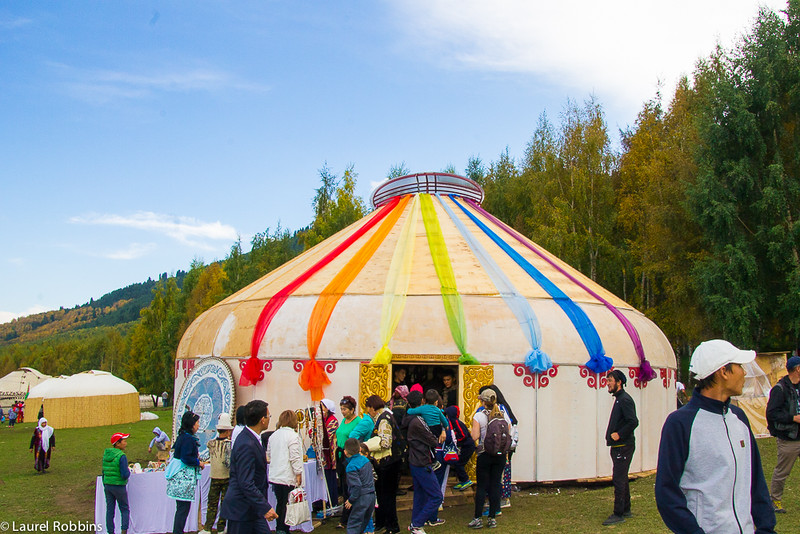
{"x":313,"y":377}
{"x":251,"y":371}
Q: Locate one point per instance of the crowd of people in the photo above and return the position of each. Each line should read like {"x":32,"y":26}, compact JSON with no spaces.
{"x":362,"y":456}
{"x":709,"y":476}
{"x":16,"y":413}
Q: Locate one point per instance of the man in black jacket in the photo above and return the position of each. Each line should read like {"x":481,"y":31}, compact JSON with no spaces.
{"x":245,"y":504}
{"x":783,"y":411}
{"x":427,"y":492}
{"x":619,"y":436}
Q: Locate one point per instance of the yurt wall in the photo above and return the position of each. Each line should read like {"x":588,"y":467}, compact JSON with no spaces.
{"x":91,"y":398}
{"x":97,"y":410}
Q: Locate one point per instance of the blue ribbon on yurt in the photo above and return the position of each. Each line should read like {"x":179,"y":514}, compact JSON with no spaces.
{"x":598,"y":361}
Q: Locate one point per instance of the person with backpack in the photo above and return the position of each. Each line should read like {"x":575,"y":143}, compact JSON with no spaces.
{"x":466,"y":447}
{"x":505,"y":407}
{"x":491,"y":430}
{"x":783,"y":418}
{"x":386,"y":447}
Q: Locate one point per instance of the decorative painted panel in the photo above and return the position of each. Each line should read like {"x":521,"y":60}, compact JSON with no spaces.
{"x":373,"y":380}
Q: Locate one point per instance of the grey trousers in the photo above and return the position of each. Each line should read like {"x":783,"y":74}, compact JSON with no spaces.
{"x":360,"y":513}
{"x":788,"y":451}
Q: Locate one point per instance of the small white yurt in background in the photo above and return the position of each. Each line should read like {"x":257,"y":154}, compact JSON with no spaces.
{"x":91,"y":398}
{"x":16,"y":384}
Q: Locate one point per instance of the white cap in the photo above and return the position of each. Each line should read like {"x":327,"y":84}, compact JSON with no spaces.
{"x":224,"y":422}
{"x":680,"y":386}
{"x":709,"y":356}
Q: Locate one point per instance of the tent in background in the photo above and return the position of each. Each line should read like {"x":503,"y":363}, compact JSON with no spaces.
{"x":15,"y":385}
{"x":91,"y":398}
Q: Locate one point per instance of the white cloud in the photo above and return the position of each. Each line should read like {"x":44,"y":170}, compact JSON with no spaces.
{"x":100,"y":86}
{"x":6,"y":316}
{"x":132,"y":252}
{"x":618,"y":49}
{"x":186,"y":230}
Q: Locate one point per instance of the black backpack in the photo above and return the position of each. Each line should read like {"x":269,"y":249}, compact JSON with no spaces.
{"x":399,"y":443}
{"x":498,"y":435}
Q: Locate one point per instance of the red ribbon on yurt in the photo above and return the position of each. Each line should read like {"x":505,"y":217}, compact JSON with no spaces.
{"x":251,"y":371}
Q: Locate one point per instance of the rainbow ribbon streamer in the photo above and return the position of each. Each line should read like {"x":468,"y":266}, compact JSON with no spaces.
{"x":646,"y":372}
{"x":395,"y":292}
{"x":453,"y":307}
{"x":251,"y":369}
{"x":313,"y":377}
{"x":536,"y":360}
{"x":598,"y":361}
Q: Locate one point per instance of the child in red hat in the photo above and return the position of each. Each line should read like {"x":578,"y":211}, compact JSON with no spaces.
{"x":115,"y":479}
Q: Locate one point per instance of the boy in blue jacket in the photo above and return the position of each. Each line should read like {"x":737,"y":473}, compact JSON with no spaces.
{"x":361,"y":483}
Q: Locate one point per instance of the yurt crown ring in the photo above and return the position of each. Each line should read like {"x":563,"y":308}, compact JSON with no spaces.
{"x":441,"y":183}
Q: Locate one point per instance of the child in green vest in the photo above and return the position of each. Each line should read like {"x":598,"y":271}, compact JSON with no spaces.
{"x":115,"y":479}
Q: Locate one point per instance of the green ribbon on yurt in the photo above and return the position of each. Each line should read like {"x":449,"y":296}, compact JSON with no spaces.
{"x":453,"y":307}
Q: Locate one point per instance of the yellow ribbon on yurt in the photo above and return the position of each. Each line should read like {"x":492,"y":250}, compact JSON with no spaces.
{"x":395,"y":292}
{"x":453,"y":307}
{"x":313,"y":376}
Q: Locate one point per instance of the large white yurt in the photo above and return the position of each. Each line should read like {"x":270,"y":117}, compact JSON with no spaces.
{"x":16,"y":385}
{"x":430,"y":282}
{"x":90,"y":398}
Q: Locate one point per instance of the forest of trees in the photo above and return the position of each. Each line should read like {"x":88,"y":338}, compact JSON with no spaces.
{"x":693,"y":217}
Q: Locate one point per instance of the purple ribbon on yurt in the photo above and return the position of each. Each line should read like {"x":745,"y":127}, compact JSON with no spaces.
{"x":646,"y":372}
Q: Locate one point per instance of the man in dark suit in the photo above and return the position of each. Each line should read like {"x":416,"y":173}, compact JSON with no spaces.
{"x":245,"y":504}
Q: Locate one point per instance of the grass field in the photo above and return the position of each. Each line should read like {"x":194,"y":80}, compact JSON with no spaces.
{"x":67,"y":491}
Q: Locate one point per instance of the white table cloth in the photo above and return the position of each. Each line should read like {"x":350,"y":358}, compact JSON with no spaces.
{"x":152,"y":512}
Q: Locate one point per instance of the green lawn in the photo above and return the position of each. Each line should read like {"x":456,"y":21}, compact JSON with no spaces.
{"x":67,"y":491}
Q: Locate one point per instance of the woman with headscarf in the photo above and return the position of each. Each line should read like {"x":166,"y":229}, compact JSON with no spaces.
{"x":43,"y":442}
{"x":398,"y":403}
{"x":182,"y":485}
{"x":505,"y":408}
{"x":329,"y":426}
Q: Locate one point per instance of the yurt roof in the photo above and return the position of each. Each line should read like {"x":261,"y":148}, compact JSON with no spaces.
{"x":20,"y":378}
{"x":89,"y":384}
{"x":365,"y":270}
{"x":42,"y":388}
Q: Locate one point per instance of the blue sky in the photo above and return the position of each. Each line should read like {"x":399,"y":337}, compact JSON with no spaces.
{"x":137,"y":136}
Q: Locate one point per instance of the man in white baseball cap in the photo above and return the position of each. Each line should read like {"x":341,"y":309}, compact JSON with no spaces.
{"x":709,"y":475}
